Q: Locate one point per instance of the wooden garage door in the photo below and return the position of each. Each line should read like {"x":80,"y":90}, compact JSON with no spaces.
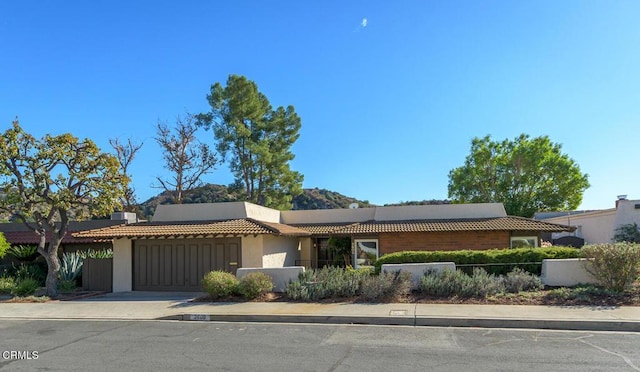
{"x":180,"y":265}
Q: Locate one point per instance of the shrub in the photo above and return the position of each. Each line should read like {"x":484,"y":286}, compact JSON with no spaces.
{"x":445,"y":283}
{"x":298,"y":291}
{"x":386,"y":285}
{"x":70,"y":266}
{"x":24,"y":253}
{"x":482,"y":284}
{"x":4,"y":245}
{"x":25,"y":287}
{"x":254,"y":285}
{"x":36,"y":271}
{"x":449,"y":283}
{"x":616,"y":266}
{"x":472,"y":257}
{"x":328,"y":282}
{"x":67,"y":286}
{"x":519,"y":280}
{"x":220,"y":284}
{"x":584,"y":293}
{"x":7,"y":284}
{"x":629,"y":233}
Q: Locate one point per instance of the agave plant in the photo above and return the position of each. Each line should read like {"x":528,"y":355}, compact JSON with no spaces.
{"x":70,"y":266}
{"x":92,"y":253}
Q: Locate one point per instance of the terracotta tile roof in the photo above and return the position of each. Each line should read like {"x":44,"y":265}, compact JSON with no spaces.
{"x":254,"y":227}
{"x":31,"y":238}
{"x":476,"y":224}
{"x":324,"y":229}
{"x":194,"y":229}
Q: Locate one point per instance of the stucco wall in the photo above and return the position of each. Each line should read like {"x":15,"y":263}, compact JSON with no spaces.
{"x":445,"y":211}
{"x":627,"y":213}
{"x":122,"y":265}
{"x":252,"y":251}
{"x":595,"y":227}
{"x":566,"y":272}
{"x":443,"y":241}
{"x":280,"y":251}
{"x":327,"y":215}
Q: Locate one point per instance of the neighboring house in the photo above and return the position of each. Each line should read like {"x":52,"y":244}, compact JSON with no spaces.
{"x":186,"y":241}
{"x":17,"y":233}
{"x":595,"y":227}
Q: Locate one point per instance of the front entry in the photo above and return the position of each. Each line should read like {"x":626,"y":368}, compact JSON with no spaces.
{"x":180,"y":264}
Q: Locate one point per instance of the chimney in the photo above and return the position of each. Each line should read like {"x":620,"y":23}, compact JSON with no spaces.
{"x":620,"y":198}
{"x":128,"y":217}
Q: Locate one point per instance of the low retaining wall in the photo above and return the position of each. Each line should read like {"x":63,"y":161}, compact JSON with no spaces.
{"x":566,"y":272}
{"x":418,"y":269}
{"x":281,"y":276}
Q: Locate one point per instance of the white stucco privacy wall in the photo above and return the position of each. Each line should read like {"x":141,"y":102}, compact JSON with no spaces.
{"x":567,"y":272}
{"x":122,"y":265}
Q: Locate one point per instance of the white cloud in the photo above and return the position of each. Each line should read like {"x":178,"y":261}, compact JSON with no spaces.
{"x":364,"y":22}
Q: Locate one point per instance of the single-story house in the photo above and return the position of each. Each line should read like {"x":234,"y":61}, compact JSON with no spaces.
{"x":594,"y":226}
{"x":184,"y":242}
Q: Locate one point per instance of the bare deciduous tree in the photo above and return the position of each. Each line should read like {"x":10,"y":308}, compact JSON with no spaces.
{"x":126,"y":152}
{"x":185,"y":157}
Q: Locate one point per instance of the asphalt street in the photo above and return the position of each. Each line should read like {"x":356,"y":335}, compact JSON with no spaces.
{"x":28,"y":345}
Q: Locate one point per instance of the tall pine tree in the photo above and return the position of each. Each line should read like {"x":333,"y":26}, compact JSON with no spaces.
{"x":256,"y":139}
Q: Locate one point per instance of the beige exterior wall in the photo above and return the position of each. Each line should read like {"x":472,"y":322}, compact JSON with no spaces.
{"x":252,"y":251}
{"x":214,"y":211}
{"x":627,"y":213}
{"x":122,"y":265}
{"x":260,"y":213}
{"x":280,"y":251}
{"x":327,"y":216}
{"x":593,"y":227}
{"x":306,"y":251}
{"x":445,"y":211}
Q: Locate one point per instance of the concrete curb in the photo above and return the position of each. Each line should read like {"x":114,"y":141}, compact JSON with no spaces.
{"x":569,"y":325}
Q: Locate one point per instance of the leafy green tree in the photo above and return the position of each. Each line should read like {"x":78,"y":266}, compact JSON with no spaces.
{"x":629,"y":233}
{"x":257,"y":139}
{"x":526,"y":175}
{"x":45,"y":183}
{"x":341,"y":246}
{"x":4,"y":245}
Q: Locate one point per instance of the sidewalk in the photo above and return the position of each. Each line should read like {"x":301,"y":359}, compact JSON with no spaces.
{"x":177,"y":306}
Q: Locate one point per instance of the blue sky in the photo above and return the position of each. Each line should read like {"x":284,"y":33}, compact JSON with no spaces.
{"x":388,"y":106}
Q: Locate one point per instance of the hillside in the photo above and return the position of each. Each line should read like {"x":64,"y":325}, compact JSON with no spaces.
{"x":210,"y":193}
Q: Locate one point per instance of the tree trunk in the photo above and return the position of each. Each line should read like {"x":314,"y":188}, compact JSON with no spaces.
{"x":53,"y":265}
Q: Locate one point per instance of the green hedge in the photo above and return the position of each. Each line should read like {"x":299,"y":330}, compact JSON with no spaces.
{"x":491,"y":256}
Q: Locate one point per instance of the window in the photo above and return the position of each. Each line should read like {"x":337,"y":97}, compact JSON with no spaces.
{"x":524,"y":241}
{"x":366,"y":252}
